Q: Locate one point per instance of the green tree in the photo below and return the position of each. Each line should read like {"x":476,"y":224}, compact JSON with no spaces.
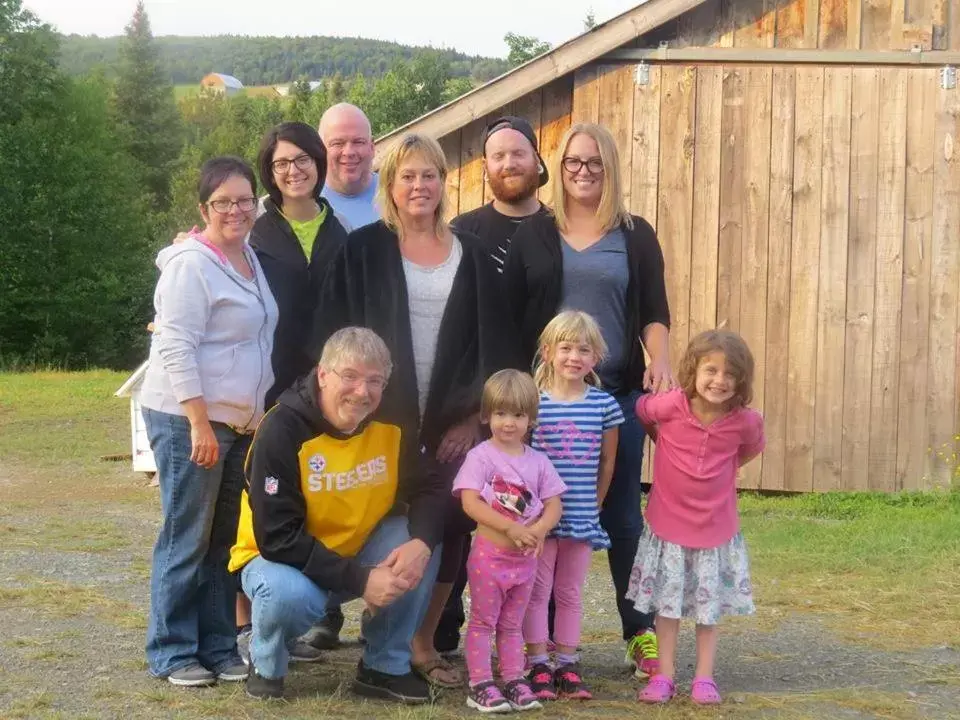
{"x":76,"y":260}
{"x":455,"y":87}
{"x":144,"y":106}
{"x":590,"y":21}
{"x":523,"y":48}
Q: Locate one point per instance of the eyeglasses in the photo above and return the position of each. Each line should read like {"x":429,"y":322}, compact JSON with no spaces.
{"x":224,"y":206}
{"x":573,"y":164}
{"x":351,"y":379}
{"x":282,"y":166}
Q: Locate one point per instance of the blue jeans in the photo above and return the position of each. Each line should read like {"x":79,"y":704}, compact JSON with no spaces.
{"x":622,"y":516}
{"x":192,"y":595}
{"x":286,"y":603}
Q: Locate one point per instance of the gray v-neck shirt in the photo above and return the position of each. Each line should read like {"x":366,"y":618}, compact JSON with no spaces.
{"x":595,"y":281}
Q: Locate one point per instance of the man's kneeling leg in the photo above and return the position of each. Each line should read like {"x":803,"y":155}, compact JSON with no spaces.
{"x":285,"y":604}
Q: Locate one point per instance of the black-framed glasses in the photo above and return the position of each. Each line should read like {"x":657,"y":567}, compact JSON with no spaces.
{"x":351,"y":379}
{"x":282,"y":166}
{"x":573,"y":164}
{"x":224,"y":206}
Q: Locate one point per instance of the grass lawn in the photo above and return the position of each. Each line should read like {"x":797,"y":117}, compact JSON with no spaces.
{"x":873,"y":577}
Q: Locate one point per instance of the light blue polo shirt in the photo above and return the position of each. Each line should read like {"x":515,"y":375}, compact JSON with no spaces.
{"x":356,"y":210}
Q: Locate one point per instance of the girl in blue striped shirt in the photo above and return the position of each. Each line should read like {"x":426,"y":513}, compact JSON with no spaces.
{"x":577,"y":429}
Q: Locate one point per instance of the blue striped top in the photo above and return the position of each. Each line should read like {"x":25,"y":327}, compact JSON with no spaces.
{"x":570,"y":433}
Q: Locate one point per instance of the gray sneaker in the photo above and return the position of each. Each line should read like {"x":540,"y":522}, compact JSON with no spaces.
{"x":299,"y":650}
{"x":236,"y":672}
{"x":195,"y":675}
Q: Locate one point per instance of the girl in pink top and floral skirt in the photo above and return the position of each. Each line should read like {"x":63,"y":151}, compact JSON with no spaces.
{"x":692,"y":560}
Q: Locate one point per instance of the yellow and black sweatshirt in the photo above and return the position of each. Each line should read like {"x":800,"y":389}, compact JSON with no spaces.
{"x":314,"y":495}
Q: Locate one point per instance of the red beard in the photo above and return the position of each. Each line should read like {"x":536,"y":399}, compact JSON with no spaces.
{"x":514,"y":188}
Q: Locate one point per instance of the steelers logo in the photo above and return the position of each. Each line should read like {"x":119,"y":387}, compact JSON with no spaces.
{"x":317,"y":463}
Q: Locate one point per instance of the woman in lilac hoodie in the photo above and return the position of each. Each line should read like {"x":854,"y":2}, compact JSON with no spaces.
{"x":202,"y":397}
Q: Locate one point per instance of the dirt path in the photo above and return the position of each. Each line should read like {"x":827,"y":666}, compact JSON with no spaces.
{"x":72,"y":628}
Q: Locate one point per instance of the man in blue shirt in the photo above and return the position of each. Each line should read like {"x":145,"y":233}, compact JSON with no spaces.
{"x":351,"y":183}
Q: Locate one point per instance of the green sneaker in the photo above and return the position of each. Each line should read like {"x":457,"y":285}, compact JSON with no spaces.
{"x":643,"y":654}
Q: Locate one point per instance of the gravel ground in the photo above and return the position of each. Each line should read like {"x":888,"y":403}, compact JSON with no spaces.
{"x":72,"y":630}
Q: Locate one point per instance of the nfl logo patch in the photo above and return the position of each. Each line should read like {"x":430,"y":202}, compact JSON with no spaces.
{"x":317,"y":463}
{"x":271,"y":485}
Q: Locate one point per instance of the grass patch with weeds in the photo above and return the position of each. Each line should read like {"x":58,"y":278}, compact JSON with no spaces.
{"x":862,"y":560}
{"x":62,"y":600}
{"x":65,"y":534}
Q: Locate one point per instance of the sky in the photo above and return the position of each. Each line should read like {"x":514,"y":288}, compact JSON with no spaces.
{"x":439,"y":23}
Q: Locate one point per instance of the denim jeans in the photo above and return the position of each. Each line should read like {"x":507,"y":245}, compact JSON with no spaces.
{"x":192,"y":595}
{"x":622,"y":516}
{"x":286,"y":603}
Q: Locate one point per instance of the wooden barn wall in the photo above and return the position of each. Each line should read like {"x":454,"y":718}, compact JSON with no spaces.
{"x":825,"y":231}
{"x":825,"y":24}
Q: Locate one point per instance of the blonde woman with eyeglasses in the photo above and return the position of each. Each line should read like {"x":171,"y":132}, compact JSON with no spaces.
{"x":203,"y":396}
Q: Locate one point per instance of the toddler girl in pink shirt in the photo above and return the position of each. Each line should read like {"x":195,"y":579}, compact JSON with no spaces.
{"x":513,"y":492}
{"x":692,"y":559}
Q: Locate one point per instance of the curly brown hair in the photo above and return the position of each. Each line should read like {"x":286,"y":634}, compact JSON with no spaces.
{"x":739,"y":362}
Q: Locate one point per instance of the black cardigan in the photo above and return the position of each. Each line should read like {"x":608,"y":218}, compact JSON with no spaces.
{"x":295,"y":285}
{"x":366,"y":286}
{"x":534,"y":285}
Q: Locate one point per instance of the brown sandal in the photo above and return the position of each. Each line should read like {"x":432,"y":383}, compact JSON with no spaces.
{"x":426,"y":671}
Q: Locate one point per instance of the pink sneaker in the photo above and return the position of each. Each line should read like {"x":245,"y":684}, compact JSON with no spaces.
{"x":659,"y":690}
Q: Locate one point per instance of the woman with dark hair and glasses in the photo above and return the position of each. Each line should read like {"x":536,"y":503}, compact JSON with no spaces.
{"x":295,"y":238}
{"x":203,"y":395}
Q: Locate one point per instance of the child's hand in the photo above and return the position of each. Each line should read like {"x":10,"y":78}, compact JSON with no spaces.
{"x":540,"y":534}
{"x":522,"y":537}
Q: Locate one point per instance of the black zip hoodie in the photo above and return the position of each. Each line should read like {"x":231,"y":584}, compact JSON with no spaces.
{"x":295,"y":285}
{"x":278,"y":508}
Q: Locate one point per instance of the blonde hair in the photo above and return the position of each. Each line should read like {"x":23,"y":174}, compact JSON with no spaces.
{"x":612,"y":210}
{"x":510,"y":391}
{"x":411,"y":145}
{"x":568,"y":326}
{"x":358,"y":344}
{"x":738,"y":357}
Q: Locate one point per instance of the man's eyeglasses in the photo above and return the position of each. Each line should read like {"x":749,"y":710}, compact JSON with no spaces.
{"x":573,"y":164}
{"x":351,"y":379}
{"x":224,"y":206}
{"x":280,"y":167}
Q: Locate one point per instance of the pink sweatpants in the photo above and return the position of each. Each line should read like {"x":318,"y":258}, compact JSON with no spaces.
{"x":500,"y":584}
{"x":562,"y":569}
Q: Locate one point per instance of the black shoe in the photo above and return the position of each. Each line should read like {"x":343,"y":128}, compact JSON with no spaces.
{"x":325,"y":635}
{"x":409,"y":689}
{"x":263,"y":688}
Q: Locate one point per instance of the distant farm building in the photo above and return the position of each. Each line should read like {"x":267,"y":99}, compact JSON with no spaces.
{"x":218,"y":82}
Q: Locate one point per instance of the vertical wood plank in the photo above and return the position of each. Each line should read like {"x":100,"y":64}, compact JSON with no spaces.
{"x":912,"y":436}
{"x":876,"y":17}
{"x":782,"y":133}
{"x":645,"y":149}
{"x":804,"y":278}
{"x":451,"y":150}
{"x":586,"y":94}
{"x":791,"y":19}
{"x":755,"y":236}
{"x":554,"y":122}
{"x":731,"y":199}
{"x":701,"y":27}
{"x":811,"y":24}
{"x":675,"y":199}
{"x":897,"y":25}
{"x":616,"y":114}
{"x":942,"y":407}
{"x":831,"y":311}
{"x":891,"y":188}
{"x":854,"y":23}
{"x":940,"y":28}
{"x":861,"y":278}
{"x":706,"y":200}
{"x":833,"y":23}
{"x":471,"y":165}
{"x":953,"y":20}
{"x":727,"y":21}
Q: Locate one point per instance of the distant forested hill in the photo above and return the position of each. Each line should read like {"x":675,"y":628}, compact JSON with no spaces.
{"x":268,"y":60}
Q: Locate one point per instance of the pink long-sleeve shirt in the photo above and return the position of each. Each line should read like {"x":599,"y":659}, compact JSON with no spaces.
{"x":693,"y":501}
